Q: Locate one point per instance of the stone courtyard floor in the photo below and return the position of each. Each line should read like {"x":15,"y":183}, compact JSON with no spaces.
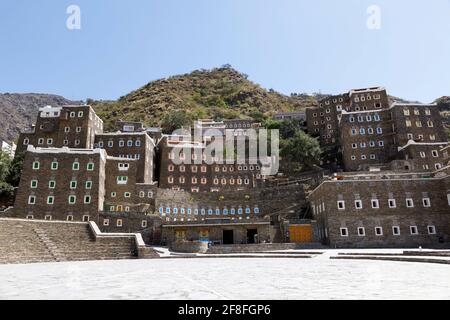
{"x":227,"y":278}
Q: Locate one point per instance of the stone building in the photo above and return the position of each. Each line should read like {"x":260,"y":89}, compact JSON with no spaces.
{"x":417,"y":122}
{"x":61,"y":184}
{"x":131,"y":145}
{"x":197,"y":171}
{"x":370,"y":131}
{"x":57,"y":127}
{"x":299,"y":115}
{"x":385,"y":209}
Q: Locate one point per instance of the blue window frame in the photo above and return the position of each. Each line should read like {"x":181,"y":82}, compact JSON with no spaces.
{"x":240,"y":211}
{"x":218,"y":212}
{"x":233,"y":211}
{"x":167,"y":210}
{"x":210,"y":212}
{"x":161,"y":210}
{"x":256,"y":210}
{"x":182,"y":211}
{"x":175,"y":210}
{"x":203,"y":211}
{"x":248,"y":211}
{"x":225,"y":211}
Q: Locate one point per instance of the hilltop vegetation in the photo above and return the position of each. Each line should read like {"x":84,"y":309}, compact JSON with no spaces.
{"x":221,"y":93}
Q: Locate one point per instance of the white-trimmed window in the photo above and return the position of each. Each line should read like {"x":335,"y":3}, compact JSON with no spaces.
{"x":48,"y":217}
{"x":86,"y":218}
{"x":431,"y":229}
{"x":72,"y":199}
{"x":90,"y":166}
{"x":78,"y":129}
{"x":49,"y":141}
{"x":87,"y":199}
{"x":409,"y":203}
{"x":378,"y":231}
{"x":358,"y":204}
{"x":32,"y":200}
{"x":375,"y":204}
{"x":51,"y":200}
{"x":106,"y":222}
{"x":396,"y":230}
{"x":88,"y":185}
{"x":26,"y":141}
{"x":69,"y":218}
{"x":127,"y":195}
{"x":36,"y":165}
{"x":124,"y":166}
{"x":80,"y":114}
{"x":361,"y":232}
{"x":344,"y":232}
{"x":33,"y":184}
{"x":435,"y":154}
{"x":73,"y":185}
{"x":30,"y":217}
{"x":122,"y":180}
{"x":76,"y":166}
{"x":426,"y":202}
{"x":392,"y":203}
{"x":54,"y":165}
{"x":413,"y":230}
{"x":341,"y":205}
{"x":144,"y":224}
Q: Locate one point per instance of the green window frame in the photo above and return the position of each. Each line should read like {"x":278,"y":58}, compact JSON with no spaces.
{"x":72,"y":199}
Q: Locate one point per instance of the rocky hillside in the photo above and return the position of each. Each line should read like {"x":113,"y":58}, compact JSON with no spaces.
{"x":217,"y":93}
{"x":19,"y":111}
{"x":444,"y":105}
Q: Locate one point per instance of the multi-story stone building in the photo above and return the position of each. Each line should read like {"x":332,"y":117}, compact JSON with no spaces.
{"x":61,"y":184}
{"x":57,"y":127}
{"x":131,"y":145}
{"x":371,"y":132}
{"x":197,"y":171}
{"x":385,"y":209}
{"x":417,"y":122}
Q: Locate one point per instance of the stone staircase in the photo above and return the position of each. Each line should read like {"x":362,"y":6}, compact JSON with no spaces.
{"x":419,"y":256}
{"x":27,"y":241}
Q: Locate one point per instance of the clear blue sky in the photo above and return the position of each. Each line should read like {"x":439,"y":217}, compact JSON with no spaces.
{"x":288,"y":45}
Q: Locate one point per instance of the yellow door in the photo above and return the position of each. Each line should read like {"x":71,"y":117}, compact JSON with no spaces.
{"x":300,"y":233}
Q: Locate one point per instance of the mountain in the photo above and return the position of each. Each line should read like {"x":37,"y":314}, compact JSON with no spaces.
{"x":19,"y":111}
{"x":444,"y":105}
{"x":217,"y":93}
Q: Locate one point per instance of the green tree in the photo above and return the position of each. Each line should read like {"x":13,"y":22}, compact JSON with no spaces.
{"x":5,"y":163}
{"x":301,"y":149}
{"x":15,"y":170}
{"x":289,"y":128}
{"x":174,"y":120}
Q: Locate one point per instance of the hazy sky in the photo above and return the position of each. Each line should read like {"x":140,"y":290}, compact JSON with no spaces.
{"x":287,"y":45}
